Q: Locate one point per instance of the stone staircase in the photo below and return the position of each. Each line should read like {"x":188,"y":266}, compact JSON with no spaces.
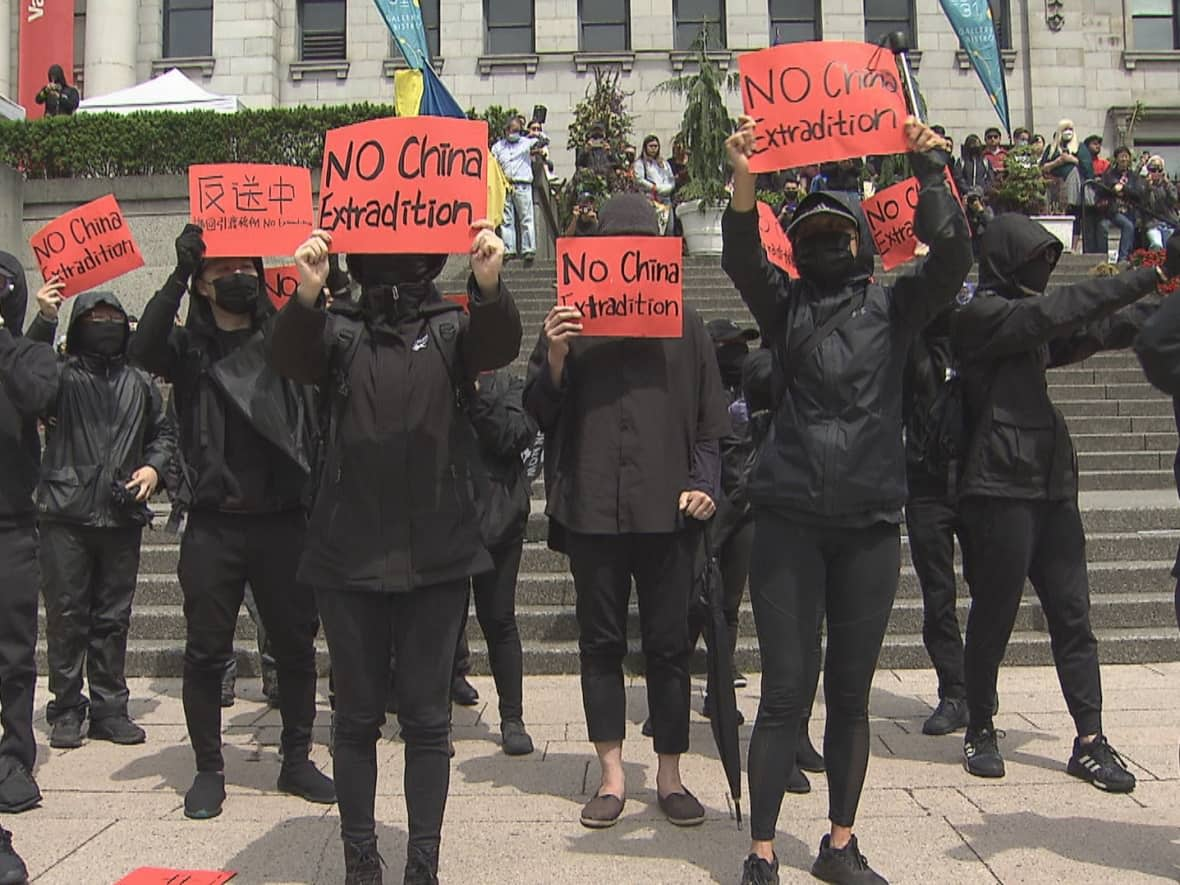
{"x":1126,"y":439}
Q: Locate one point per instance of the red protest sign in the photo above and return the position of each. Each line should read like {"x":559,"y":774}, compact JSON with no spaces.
{"x":815,"y":102}
{"x":160,"y":876}
{"x":629,"y":287}
{"x":87,"y":246}
{"x":774,"y":240}
{"x":250,"y":208}
{"x":281,"y":284}
{"x":404,"y":184}
{"x":890,"y":214}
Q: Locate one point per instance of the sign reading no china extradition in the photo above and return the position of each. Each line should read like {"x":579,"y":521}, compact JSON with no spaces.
{"x":627,"y":287}
{"x":86,"y":247}
{"x":890,"y":215}
{"x":819,"y":102}
{"x":251,"y":208}
{"x":404,"y":184}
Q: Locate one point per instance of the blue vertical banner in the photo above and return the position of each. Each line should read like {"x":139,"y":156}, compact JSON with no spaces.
{"x":404,"y":20}
{"x":976,"y":30}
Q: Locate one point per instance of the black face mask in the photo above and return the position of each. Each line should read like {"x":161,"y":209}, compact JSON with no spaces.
{"x":100,"y":339}
{"x":1032,"y":278}
{"x":730,"y":357}
{"x":236,"y":292}
{"x":825,"y":258}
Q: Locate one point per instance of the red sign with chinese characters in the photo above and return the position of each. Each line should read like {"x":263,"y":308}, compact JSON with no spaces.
{"x":251,"y":209}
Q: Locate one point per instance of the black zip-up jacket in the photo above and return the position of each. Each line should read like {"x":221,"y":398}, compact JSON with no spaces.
{"x":28,"y":386}
{"x":108,"y":422}
{"x":925,"y":377}
{"x":215,"y":386}
{"x":1019,"y":444}
{"x":395,"y":510}
{"x":834,"y":453}
{"x":504,"y":431}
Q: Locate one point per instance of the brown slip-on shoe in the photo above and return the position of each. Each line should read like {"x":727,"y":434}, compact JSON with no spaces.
{"x":682,"y":809}
{"x":602,"y":812}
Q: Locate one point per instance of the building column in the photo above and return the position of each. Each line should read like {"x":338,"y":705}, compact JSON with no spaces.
{"x":7,"y":76}
{"x":112,"y":39}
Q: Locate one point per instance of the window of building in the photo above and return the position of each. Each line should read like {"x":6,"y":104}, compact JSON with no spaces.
{"x":511,"y":26}
{"x":322,"y":30}
{"x":1002,"y":19}
{"x":794,"y":21}
{"x":604,"y":25}
{"x":1153,"y":24}
{"x":694,"y":16}
{"x":430,"y":22}
{"x":188,"y":28}
{"x":886,"y":16}
{"x":79,"y":33}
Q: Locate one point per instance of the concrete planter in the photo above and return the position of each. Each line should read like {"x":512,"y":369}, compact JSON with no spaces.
{"x":1061,"y":226}
{"x":702,"y":229}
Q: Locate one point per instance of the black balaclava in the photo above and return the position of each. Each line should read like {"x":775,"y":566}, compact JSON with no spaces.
{"x":394,"y":286}
{"x":1017,"y":256}
{"x":824,"y":257}
{"x":731,"y":355}
{"x":237,"y":292}
{"x":105,"y":340}
{"x":1032,"y":277}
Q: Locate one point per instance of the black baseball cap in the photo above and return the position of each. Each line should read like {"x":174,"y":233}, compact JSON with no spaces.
{"x":727,"y":330}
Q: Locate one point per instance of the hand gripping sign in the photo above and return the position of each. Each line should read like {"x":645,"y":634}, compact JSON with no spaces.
{"x":774,"y":240}
{"x":250,"y":208}
{"x":86,"y":247}
{"x":819,"y":102}
{"x":404,"y":184}
{"x":627,"y":287}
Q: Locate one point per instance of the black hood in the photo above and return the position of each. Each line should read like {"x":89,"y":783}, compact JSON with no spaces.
{"x":200,"y":312}
{"x":847,"y":205}
{"x":12,"y":306}
{"x":1008,"y":243}
{"x":85,"y":303}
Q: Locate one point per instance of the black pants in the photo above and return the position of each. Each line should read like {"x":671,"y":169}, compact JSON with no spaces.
{"x":933,"y":524}
{"x":266,"y":658}
{"x":362,"y":627}
{"x":798,"y":570}
{"x":88,"y":580}
{"x":18,"y":642}
{"x":734,"y":561}
{"x":661,"y":564}
{"x":219,"y":553}
{"x":1007,"y":541}
{"x":495,"y":609}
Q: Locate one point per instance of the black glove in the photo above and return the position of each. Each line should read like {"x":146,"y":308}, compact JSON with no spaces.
{"x":1172,"y":260}
{"x":929,"y":166}
{"x":190,"y":249}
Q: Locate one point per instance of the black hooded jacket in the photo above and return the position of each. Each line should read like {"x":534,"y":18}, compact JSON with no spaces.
{"x":504,"y":431}
{"x":925,"y":378}
{"x":28,"y":387}
{"x":1019,"y":444}
{"x":395,"y":510}
{"x":108,"y":422}
{"x":245,"y":433}
{"x":833,"y":453}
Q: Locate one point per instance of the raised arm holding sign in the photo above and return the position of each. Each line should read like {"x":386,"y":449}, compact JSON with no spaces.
{"x":86,"y":247}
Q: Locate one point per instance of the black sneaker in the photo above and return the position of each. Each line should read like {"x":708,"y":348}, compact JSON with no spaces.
{"x":807,"y":757}
{"x":463,"y":692}
{"x":206,"y":796}
{"x":18,"y":791}
{"x":648,"y":730}
{"x":117,"y":730}
{"x":66,"y":731}
{"x":798,"y":783}
{"x":514,"y":740}
{"x":304,"y":780}
{"x":981,"y":753}
{"x":950,"y":715}
{"x":844,"y":866}
{"x":756,"y":871}
{"x":740,"y":681}
{"x":362,"y":863}
{"x":12,"y":868}
{"x":1100,"y":764}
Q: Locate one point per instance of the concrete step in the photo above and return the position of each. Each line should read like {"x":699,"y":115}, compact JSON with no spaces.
{"x":1076,"y":411}
{"x":1123,"y":442}
{"x":1105,"y":480}
{"x":1072,"y":375}
{"x":1142,"y":390}
{"x":1091,"y":461}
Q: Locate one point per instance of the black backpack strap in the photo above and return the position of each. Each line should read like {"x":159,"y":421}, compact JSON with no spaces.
{"x":815,"y":339}
{"x":458,"y":385}
{"x":344,"y":348}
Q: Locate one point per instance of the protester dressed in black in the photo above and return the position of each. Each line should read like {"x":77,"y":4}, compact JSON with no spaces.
{"x":1019,"y":486}
{"x":829,"y":483}
{"x":394,"y":535}
{"x":632,"y":466}
{"x":107,"y":448}
{"x":244,"y":436}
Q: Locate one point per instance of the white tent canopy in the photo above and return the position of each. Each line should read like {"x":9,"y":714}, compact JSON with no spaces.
{"x":172,"y":91}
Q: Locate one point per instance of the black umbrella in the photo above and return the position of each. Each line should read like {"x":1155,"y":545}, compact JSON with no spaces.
{"x":710,"y":614}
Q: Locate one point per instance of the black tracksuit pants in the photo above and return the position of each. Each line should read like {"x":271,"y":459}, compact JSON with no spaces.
{"x":219,"y":553}
{"x":797,"y":571}
{"x":495,"y":609}
{"x":18,"y":642}
{"x":662,"y":566}
{"x":1008,"y":540}
{"x":932,"y":524}
{"x":88,"y":578}
{"x":362,"y":627}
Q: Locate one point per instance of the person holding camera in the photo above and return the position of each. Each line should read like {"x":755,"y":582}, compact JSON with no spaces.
{"x":108,"y":444}
{"x":59,"y":97}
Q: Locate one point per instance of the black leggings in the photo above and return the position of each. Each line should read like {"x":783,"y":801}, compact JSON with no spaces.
{"x":796,"y":571}
{"x":495,"y":608}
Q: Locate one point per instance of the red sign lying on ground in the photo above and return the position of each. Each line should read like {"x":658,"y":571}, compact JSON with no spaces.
{"x":281,"y":284}
{"x":404,"y":184}
{"x":250,"y":208}
{"x":822,"y":101}
{"x":87,"y":246}
{"x":160,"y":876}
{"x":890,"y":214}
{"x":629,"y":287}
{"x":774,"y":240}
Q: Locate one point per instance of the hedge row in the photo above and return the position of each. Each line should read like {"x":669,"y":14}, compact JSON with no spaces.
{"x":165,"y":142}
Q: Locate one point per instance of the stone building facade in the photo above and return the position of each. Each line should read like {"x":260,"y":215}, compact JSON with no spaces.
{"x":1091,"y":60}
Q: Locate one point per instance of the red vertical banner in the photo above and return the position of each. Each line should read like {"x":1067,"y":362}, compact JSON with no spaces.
{"x":46,"y":38}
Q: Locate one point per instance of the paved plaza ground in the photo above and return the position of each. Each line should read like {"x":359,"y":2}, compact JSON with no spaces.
{"x":110,"y":809}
